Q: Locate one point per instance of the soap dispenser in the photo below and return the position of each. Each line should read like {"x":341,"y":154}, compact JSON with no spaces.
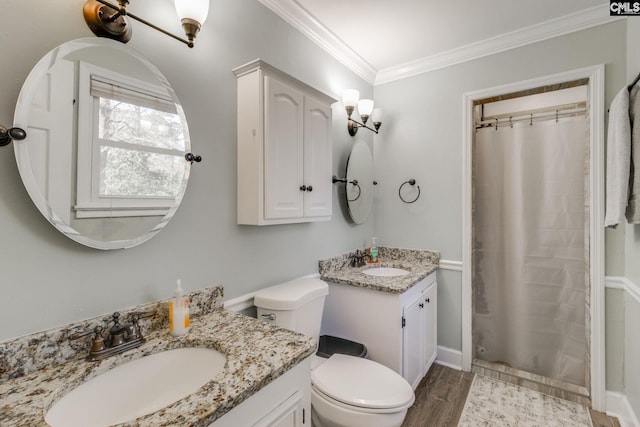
{"x":373,"y":251}
{"x":179,"y":313}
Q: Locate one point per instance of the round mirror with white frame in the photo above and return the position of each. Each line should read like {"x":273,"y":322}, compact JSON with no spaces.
{"x":104,"y":157}
{"x":360,"y":182}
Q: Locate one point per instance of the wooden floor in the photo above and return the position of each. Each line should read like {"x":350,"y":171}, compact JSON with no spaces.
{"x":441,"y":395}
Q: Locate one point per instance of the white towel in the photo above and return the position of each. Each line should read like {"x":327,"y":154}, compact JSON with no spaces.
{"x":618,"y":159}
{"x":633,"y":208}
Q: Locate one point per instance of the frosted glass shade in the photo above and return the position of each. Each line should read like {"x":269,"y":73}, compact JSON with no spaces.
{"x":350,"y":97}
{"x":365,"y":107}
{"x":377,"y":115}
{"x":198,"y":10}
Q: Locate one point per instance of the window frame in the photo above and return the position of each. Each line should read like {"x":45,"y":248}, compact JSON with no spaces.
{"x":89,"y":202}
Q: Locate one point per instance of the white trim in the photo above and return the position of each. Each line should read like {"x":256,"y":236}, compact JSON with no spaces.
{"x":618,"y":406}
{"x":447,"y":264}
{"x":300,"y":19}
{"x":617,"y":282}
{"x":596,"y":101}
{"x":467,"y":227}
{"x":562,"y":25}
{"x":449,"y":357}
{"x":240,"y":303}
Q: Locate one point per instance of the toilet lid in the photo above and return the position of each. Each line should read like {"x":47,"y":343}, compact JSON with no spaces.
{"x":361,"y":382}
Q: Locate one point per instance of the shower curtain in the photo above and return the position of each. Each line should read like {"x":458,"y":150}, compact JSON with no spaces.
{"x":530,"y":227}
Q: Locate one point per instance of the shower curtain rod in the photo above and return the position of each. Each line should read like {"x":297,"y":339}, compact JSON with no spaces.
{"x":528,"y":117}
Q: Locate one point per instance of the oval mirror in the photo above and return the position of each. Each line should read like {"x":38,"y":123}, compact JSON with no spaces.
{"x":359,"y":185}
{"x":104,"y":157}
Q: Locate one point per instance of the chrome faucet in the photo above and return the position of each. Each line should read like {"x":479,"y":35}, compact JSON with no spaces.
{"x":119,"y":338}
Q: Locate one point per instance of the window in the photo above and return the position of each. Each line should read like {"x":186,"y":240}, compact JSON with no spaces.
{"x":131,"y":146}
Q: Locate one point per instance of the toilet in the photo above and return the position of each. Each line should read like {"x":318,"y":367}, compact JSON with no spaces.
{"x":346,"y":391}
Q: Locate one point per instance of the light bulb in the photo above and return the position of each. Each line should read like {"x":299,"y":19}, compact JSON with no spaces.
{"x":198,"y":10}
{"x":350,"y":98}
{"x":365,"y":106}
{"x":377,"y":115}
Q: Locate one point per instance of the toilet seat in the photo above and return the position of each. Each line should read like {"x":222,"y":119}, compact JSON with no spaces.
{"x":361,"y":383}
{"x":315,"y":393}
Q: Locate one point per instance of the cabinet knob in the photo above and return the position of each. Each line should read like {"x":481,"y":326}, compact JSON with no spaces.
{"x":421,"y":305}
{"x":303,"y":188}
{"x":428,"y":300}
{"x":309,"y":188}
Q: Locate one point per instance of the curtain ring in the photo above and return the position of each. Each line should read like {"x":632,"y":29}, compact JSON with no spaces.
{"x":556,"y":116}
{"x":511,"y":121}
{"x":410,"y":182}
{"x":531,"y":119}
{"x":496,"y":129}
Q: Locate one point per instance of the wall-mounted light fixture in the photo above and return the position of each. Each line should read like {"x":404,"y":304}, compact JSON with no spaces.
{"x":351,"y":100}
{"x":108,"y":20}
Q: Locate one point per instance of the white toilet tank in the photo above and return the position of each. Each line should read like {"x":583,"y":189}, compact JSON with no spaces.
{"x":296,"y":305}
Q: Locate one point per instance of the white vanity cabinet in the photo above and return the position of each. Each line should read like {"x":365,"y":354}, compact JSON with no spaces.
{"x":419,"y":335}
{"x":399,"y":330}
{"x":284,"y":148}
{"x":285,"y":402}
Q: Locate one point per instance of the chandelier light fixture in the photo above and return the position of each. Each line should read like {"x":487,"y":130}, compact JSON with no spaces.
{"x":351,"y":100}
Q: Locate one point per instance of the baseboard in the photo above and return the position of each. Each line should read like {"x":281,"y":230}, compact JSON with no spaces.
{"x":618,"y":406}
{"x":449,"y":357}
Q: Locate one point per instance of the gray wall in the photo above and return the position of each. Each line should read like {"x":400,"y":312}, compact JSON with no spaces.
{"x":422,"y":139}
{"x":615,"y":338}
{"x":48,"y":280}
{"x":632,"y":352}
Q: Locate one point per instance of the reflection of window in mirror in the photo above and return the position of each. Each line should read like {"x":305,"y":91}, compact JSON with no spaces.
{"x":131,"y":146}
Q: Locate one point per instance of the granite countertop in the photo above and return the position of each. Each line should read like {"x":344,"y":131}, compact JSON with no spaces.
{"x":419,"y":264}
{"x":257,"y":353}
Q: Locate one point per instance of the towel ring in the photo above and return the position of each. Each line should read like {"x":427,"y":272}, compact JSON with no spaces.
{"x":335,"y":179}
{"x":411,"y":182}
{"x":354,"y":183}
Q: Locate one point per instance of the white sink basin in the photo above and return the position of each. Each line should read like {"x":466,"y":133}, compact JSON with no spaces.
{"x":137,"y":388}
{"x":385,"y":272}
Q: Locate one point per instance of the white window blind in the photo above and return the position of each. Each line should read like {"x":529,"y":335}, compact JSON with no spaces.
{"x":102,"y":87}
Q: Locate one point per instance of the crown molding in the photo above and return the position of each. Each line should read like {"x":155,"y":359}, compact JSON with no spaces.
{"x":577,"y":21}
{"x":299,"y":18}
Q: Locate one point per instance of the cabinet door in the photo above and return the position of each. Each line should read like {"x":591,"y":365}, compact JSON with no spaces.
{"x":283,"y":157}
{"x":431,"y":326}
{"x":413,"y":342}
{"x":288,"y":414}
{"x":317,"y":158}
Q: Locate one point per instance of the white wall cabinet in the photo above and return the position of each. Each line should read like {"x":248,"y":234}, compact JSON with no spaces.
{"x":399,"y":330}
{"x":284,"y":148}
